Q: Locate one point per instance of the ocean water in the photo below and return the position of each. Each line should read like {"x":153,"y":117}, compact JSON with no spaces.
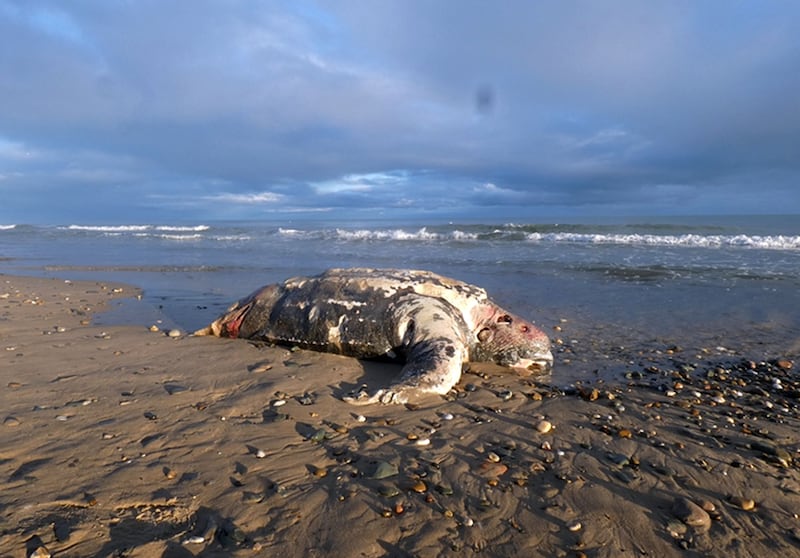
{"x":603,"y":287}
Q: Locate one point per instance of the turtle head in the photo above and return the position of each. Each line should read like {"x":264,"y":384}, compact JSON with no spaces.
{"x":244,"y":318}
{"x":229,"y":324}
{"x":508,"y":340}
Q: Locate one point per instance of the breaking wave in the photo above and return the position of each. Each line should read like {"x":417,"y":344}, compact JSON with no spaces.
{"x":511,"y":233}
{"x":778,"y":242}
{"x":138,"y":228}
{"x":673,"y":236}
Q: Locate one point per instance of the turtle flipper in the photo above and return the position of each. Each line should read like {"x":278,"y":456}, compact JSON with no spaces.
{"x":432,"y":334}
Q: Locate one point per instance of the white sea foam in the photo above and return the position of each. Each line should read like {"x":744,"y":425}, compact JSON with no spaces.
{"x":7,"y":227}
{"x":422,"y":234}
{"x":233,"y":238}
{"x":138,"y":228}
{"x":778,"y":242}
{"x":109,"y":228}
{"x":176,"y":228}
{"x":180,"y":237}
{"x":290,"y":232}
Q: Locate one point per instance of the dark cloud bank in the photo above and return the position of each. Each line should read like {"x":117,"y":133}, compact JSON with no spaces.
{"x":133,"y":110}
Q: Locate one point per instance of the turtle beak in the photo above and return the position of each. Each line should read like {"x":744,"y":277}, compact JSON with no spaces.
{"x":214,"y":328}
{"x":229,"y":324}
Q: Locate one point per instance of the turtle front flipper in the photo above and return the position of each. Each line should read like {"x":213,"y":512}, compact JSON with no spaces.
{"x":432,"y":334}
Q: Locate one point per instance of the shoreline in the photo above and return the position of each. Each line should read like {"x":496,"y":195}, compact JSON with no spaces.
{"x":117,"y":439}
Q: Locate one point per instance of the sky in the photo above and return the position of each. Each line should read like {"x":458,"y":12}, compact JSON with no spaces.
{"x":123,"y":111}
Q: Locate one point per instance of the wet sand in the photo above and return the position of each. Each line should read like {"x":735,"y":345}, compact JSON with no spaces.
{"x":121,"y":441}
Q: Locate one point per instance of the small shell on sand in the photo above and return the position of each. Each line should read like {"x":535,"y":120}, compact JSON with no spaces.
{"x":261,"y":367}
{"x":574,"y":526}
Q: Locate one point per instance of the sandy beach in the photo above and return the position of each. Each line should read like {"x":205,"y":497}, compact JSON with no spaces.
{"x":127,"y":441}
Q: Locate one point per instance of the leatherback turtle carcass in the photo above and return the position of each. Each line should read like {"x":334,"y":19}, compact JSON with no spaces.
{"x":435,"y":323}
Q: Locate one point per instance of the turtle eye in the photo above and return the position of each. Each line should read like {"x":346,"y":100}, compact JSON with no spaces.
{"x":504,"y":319}
{"x":484,"y":335}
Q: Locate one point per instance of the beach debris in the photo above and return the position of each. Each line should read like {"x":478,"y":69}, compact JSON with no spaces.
{"x":172,"y":389}
{"x":307,"y":399}
{"x":783,"y":457}
{"x":444,"y":489}
{"x":249,"y":497}
{"x":574,"y":526}
{"x":230,"y":535}
{"x":40,"y":552}
{"x":80,"y":402}
{"x":11,"y":421}
{"x":320,"y":472}
{"x":260,"y":367}
{"x":319,"y":436}
{"x":174,"y":333}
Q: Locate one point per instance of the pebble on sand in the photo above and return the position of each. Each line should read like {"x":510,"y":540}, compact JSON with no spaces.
{"x":691,"y":514}
{"x":490,"y":469}
{"x":745,"y":504}
{"x":544,"y":426}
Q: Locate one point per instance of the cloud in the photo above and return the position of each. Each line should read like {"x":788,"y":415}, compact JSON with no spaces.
{"x":246,"y":199}
{"x":204,"y":107}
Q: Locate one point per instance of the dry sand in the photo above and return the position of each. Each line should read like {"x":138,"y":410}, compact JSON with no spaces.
{"x":126,"y":442}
